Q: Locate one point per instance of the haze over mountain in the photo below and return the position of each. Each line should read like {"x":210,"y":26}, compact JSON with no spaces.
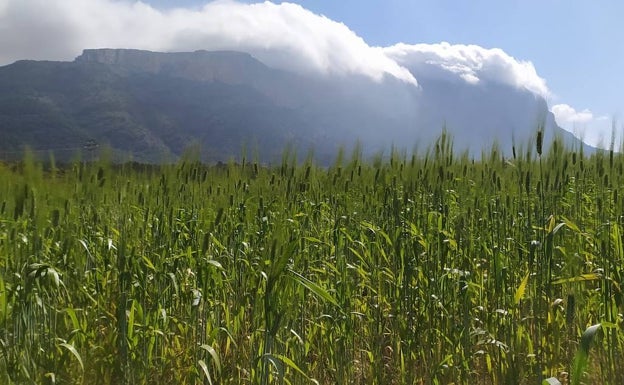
{"x":154,"y":105}
{"x":344,"y":39}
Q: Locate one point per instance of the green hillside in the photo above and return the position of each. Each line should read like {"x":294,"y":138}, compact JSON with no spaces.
{"x":59,"y":106}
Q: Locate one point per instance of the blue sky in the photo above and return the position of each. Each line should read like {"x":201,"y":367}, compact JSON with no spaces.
{"x":575,"y":46}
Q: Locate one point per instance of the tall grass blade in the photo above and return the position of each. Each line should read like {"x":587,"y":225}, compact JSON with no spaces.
{"x":581,"y":359}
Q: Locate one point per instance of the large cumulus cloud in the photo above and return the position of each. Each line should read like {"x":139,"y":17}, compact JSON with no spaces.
{"x":281,"y":35}
{"x":471,"y":63}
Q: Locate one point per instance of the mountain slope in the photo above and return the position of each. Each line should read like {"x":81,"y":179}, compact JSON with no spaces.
{"x":154,"y":105}
{"x":51,"y":106}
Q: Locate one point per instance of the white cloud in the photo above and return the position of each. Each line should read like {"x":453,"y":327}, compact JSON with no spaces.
{"x":565,"y":114}
{"x":282,"y":35}
{"x":594,"y":130}
{"x":471,"y":63}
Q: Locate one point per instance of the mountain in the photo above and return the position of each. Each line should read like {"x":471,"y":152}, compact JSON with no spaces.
{"x":151,"y":106}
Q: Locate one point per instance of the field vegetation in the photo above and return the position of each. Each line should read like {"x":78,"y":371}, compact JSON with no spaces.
{"x":431,"y":268}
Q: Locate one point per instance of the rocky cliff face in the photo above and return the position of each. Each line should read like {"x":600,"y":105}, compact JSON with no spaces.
{"x":230,"y":67}
{"x":226,"y":66}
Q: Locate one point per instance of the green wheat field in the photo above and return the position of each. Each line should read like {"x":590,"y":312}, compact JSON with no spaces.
{"x":431,"y":268}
